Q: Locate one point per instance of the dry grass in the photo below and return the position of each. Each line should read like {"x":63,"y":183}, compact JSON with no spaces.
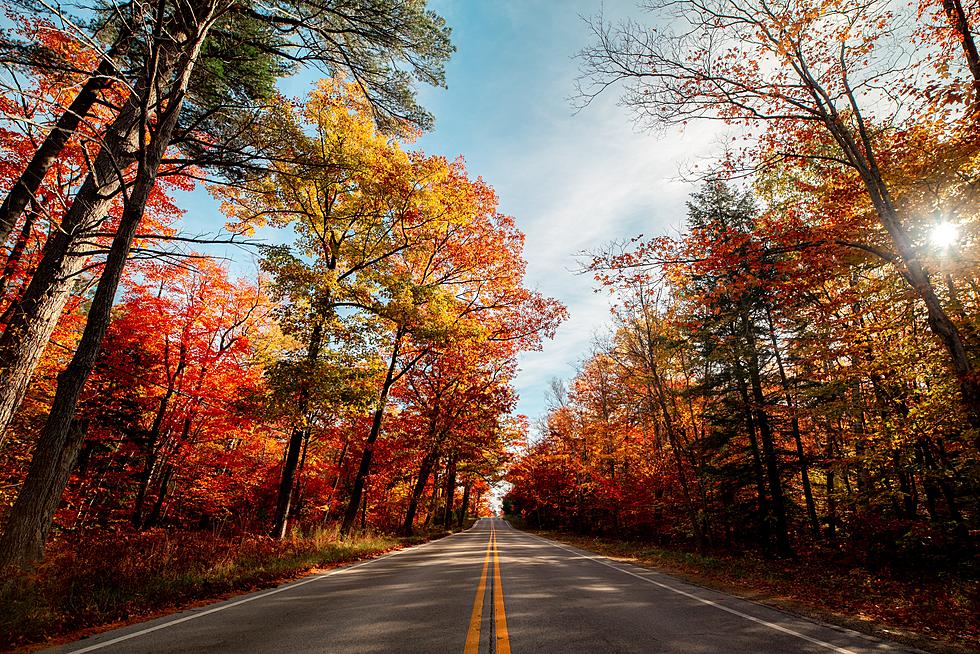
{"x":124,"y":577}
{"x":937,"y":612}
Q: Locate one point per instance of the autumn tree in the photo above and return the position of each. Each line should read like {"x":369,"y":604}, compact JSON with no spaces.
{"x":458,"y":400}
{"x":770,"y":356}
{"x":353,"y":197}
{"x":179,"y":377}
{"x":805,"y":74}
{"x":168,"y":68}
{"x":649,"y":344}
{"x":463,"y":278}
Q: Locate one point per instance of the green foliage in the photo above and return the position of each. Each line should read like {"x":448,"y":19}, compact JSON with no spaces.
{"x":237,"y":65}
{"x":335,"y":382}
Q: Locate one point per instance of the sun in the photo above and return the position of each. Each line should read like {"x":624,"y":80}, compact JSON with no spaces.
{"x":944,"y":234}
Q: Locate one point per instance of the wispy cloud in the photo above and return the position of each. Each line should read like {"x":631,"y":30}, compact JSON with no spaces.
{"x":573,"y":181}
{"x":596,"y":181}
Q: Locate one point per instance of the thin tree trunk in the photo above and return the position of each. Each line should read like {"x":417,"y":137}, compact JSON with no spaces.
{"x":153,"y":439}
{"x":364,"y":509}
{"x":166,"y":477}
{"x":16,"y":253}
{"x":297,"y":503}
{"x":676,"y":446}
{"x":447,"y":516}
{"x":362,"y":472}
{"x":296,"y":439}
{"x":758,"y":474}
{"x":286,"y":483}
{"x":434,"y":496}
{"x":830,"y":490}
{"x":336,"y":479}
{"x":165,"y":482}
{"x":425,"y":471}
{"x":768,"y":444}
{"x":957,"y":18}
{"x":149,"y":469}
{"x":937,"y":478}
{"x":811,"y":507}
{"x":464,"y":505}
{"x":905,"y":487}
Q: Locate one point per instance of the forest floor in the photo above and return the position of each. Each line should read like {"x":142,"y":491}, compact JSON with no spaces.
{"x":931,"y":612}
{"x":88,"y":586}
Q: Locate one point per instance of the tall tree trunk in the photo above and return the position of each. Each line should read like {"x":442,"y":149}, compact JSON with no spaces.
{"x":362,"y":472}
{"x":768,"y":443}
{"x":30,"y":519}
{"x":905,"y":487}
{"x":464,"y":505}
{"x":165,"y":483}
{"x":958,"y":19}
{"x":296,"y":439}
{"x":859,"y":150}
{"x":32,"y":514}
{"x":13,"y":259}
{"x":811,"y":507}
{"x":447,"y":516}
{"x":860,"y":429}
{"x":16,"y":254}
{"x":675,"y":448}
{"x":153,"y":438}
{"x":146,"y":477}
{"x":757,"y":472}
{"x":336,"y":479}
{"x":858,"y":147}
{"x":36,"y":313}
{"x":284,"y":496}
{"x":936,"y":478}
{"x":364,"y":508}
{"x":831,"y":491}
{"x":38,"y":310}
{"x":434,"y":496}
{"x":26,"y":187}
{"x":425,"y":470}
{"x":297,"y":502}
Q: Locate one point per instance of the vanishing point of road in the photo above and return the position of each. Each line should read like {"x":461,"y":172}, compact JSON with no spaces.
{"x":491,"y":589}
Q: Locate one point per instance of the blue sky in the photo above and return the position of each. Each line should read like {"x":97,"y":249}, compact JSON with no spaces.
{"x":572,"y":181}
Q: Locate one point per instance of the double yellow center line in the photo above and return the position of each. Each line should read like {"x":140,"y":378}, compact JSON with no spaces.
{"x":499,"y":616}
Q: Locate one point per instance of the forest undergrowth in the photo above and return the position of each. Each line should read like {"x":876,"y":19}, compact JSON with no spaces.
{"x":88,"y":584}
{"x":926,"y":607}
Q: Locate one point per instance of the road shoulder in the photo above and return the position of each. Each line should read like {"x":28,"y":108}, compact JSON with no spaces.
{"x":205,"y":600}
{"x":762,"y":590}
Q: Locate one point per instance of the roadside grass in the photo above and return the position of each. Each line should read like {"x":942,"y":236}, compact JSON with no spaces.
{"x":125,"y":577}
{"x":935,"y":612}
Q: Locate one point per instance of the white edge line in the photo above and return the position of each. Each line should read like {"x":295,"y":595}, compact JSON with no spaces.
{"x":251,"y":598}
{"x":771,"y":625}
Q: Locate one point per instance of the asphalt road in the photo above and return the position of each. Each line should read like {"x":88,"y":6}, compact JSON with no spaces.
{"x":489,"y":589}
